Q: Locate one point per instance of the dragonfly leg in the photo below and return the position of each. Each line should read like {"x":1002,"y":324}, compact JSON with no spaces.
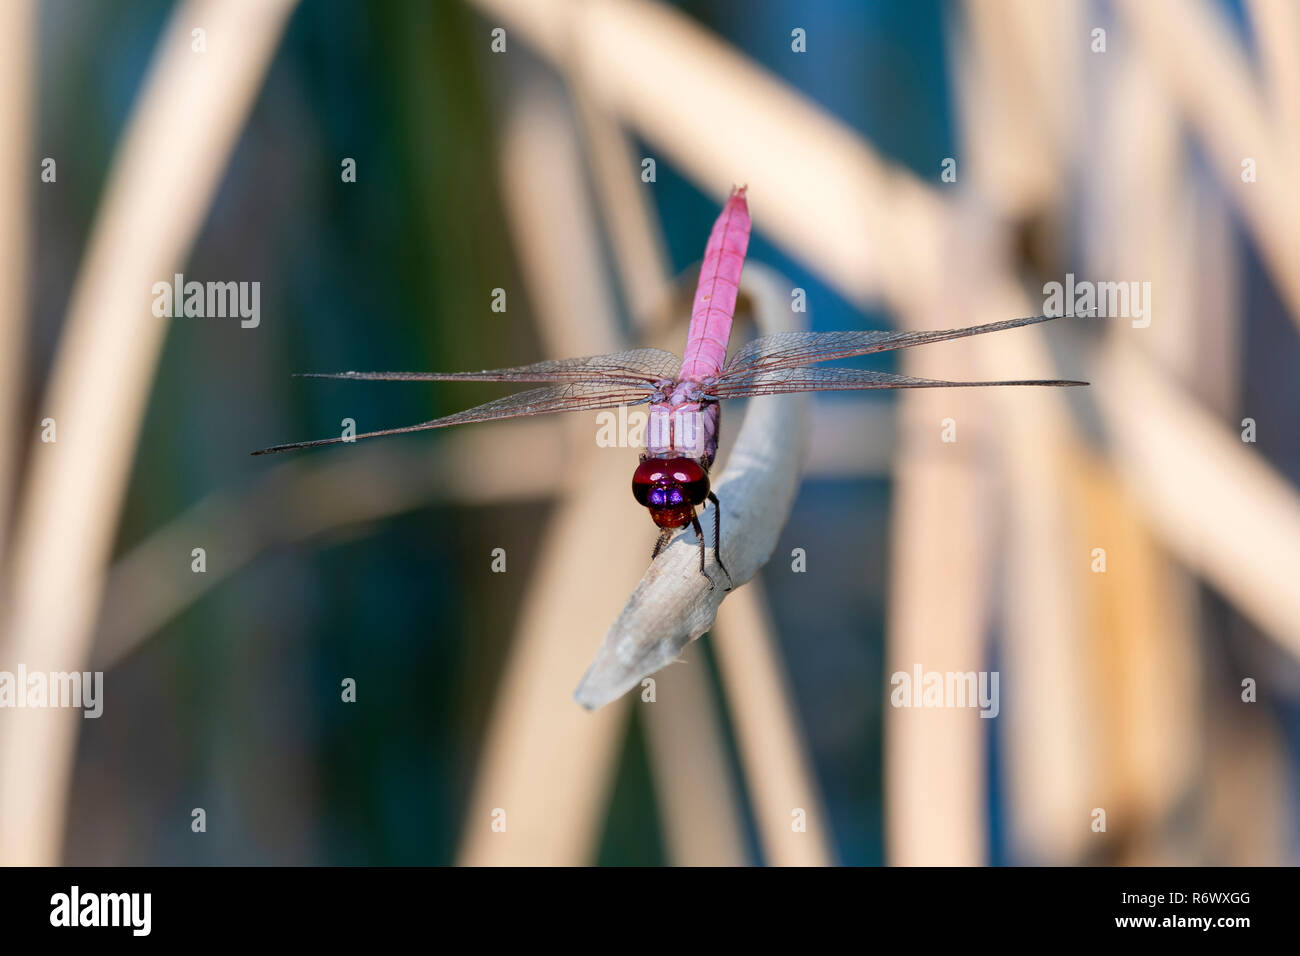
{"x":699,"y":533}
{"x":665,"y":535}
{"x":717,"y":536}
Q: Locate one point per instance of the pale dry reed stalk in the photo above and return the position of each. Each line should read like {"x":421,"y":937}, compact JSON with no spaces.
{"x":1275,"y":27}
{"x":636,"y":244}
{"x":544,"y":762}
{"x":1176,"y":461}
{"x":1166,"y":223}
{"x":1142,"y":766}
{"x":943,"y":567}
{"x":1207,"y":74}
{"x":1212,"y":464}
{"x":1058,"y":760}
{"x":699,"y":805}
{"x":1002,"y":118}
{"x":1051,"y":741}
{"x":828,"y":198}
{"x":941,"y":563}
{"x":177,"y":142}
{"x":794,"y":827}
{"x":1013,"y":67}
{"x":1146,"y":707}
{"x":17,"y":175}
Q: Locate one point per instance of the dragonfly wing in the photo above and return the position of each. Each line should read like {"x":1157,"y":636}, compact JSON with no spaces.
{"x":570,"y":397}
{"x":633,"y":367}
{"x":779,"y":381}
{"x":793,"y":349}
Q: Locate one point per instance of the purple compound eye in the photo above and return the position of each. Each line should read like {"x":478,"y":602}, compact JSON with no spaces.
{"x":670,"y":488}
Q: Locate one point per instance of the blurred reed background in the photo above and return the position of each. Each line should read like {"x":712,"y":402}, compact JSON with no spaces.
{"x":521,"y":170}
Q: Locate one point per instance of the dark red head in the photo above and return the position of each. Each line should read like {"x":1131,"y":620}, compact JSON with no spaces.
{"x":671,"y":488}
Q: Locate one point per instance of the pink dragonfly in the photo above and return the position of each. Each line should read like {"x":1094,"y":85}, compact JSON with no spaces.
{"x":672,"y":479}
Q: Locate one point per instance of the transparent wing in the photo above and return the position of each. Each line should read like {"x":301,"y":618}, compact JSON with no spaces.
{"x":779,"y":381}
{"x":571,"y":397}
{"x":792,"y":349}
{"x":633,"y":367}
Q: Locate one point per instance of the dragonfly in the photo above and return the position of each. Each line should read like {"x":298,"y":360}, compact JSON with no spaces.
{"x":684,"y":393}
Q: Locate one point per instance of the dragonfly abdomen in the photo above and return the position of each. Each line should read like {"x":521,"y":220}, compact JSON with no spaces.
{"x":715,"y":296}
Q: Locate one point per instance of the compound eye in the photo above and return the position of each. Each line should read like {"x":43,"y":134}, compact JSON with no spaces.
{"x":670,"y":483}
{"x":686,"y":470}
{"x":691,"y":477}
{"x":649,"y":471}
{"x":647,"y":474}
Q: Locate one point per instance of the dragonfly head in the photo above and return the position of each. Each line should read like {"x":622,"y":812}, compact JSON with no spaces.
{"x":671,"y":488}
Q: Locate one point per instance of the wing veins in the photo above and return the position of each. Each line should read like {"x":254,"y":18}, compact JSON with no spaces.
{"x":547,"y":400}
{"x":796,"y":349}
{"x":810,"y":379}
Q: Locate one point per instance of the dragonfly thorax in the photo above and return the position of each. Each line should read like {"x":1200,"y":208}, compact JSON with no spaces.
{"x":674,"y":392}
{"x":671,"y":488}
